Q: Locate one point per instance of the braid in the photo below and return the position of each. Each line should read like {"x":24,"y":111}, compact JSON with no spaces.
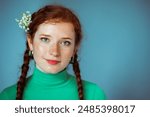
{"x":78,"y":77}
{"x":24,"y":70}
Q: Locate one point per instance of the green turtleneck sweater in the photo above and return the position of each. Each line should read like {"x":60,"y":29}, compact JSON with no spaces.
{"x":60,"y":86}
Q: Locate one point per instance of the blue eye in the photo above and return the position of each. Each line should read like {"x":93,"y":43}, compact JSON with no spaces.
{"x":66,"y":43}
{"x":44,"y":39}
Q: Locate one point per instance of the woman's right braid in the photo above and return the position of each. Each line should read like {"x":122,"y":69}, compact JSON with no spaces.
{"x":78,"y":77}
{"x":24,"y":70}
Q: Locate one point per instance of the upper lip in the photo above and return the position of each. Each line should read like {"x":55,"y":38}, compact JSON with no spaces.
{"x":52,"y":60}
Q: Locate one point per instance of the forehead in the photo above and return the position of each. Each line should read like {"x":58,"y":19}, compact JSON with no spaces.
{"x":59,"y":29}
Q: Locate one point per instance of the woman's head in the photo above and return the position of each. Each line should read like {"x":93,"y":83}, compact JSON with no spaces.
{"x":54,"y":36}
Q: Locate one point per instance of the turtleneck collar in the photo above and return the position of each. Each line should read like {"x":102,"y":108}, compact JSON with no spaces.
{"x":48,"y":79}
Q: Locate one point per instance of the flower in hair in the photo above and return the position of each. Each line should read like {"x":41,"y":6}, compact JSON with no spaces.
{"x":24,"y":21}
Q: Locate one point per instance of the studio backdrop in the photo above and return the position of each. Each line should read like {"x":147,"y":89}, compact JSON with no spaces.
{"x":115,"y":51}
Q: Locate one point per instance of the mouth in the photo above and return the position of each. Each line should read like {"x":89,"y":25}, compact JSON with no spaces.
{"x":53,"y":62}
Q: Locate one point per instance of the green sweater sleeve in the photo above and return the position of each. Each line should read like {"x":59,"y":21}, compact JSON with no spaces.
{"x":8,"y":93}
{"x":3,"y":96}
{"x":99,"y":93}
{"x":92,"y":91}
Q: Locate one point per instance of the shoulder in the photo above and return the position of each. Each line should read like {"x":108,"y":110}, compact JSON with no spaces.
{"x":9,"y":93}
{"x":93,"y":91}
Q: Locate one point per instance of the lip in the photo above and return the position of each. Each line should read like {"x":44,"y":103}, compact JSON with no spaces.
{"x":53,"y":62}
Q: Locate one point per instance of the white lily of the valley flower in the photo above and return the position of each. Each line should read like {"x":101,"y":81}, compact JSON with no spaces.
{"x":24,"y":21}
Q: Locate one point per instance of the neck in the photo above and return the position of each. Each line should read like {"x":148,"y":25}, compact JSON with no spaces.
{"x":41,"y":78}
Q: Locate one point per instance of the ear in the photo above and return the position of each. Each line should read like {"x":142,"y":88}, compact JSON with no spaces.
{"x":76,"y":49}
{"x":30,"y":42}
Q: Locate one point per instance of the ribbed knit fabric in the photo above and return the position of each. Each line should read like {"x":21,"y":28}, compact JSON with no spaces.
{"x":60,"y":86}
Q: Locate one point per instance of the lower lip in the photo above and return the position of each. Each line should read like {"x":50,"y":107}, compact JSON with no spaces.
{"x":52,"y":62}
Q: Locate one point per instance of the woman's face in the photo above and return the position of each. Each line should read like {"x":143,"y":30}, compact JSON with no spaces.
{"x":53,"y":46}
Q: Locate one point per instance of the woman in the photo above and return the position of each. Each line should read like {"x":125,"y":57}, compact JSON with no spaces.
{"x":53,"y":39}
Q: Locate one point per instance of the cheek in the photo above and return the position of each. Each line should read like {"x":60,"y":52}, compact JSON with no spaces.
{"x":67,"y":54}
{"x":39,"y":49}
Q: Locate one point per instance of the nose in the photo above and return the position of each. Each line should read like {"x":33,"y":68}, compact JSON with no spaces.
{"x":54,"y":50}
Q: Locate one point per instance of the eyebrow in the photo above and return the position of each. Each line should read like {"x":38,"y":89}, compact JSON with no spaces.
{"x":45,"y":35}
{"x":67,"y":38}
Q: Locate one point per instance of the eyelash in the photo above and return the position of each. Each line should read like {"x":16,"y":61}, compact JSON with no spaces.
{"x":44,"y":39}
{"x":66,"y":43}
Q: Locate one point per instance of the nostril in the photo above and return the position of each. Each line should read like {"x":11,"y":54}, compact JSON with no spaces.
{"x":54,"y":50}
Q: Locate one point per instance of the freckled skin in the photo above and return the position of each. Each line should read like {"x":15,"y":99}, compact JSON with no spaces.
{"x":51,"y":43}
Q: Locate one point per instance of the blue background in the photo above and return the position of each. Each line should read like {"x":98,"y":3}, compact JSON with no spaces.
{"x":115,"y":51}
